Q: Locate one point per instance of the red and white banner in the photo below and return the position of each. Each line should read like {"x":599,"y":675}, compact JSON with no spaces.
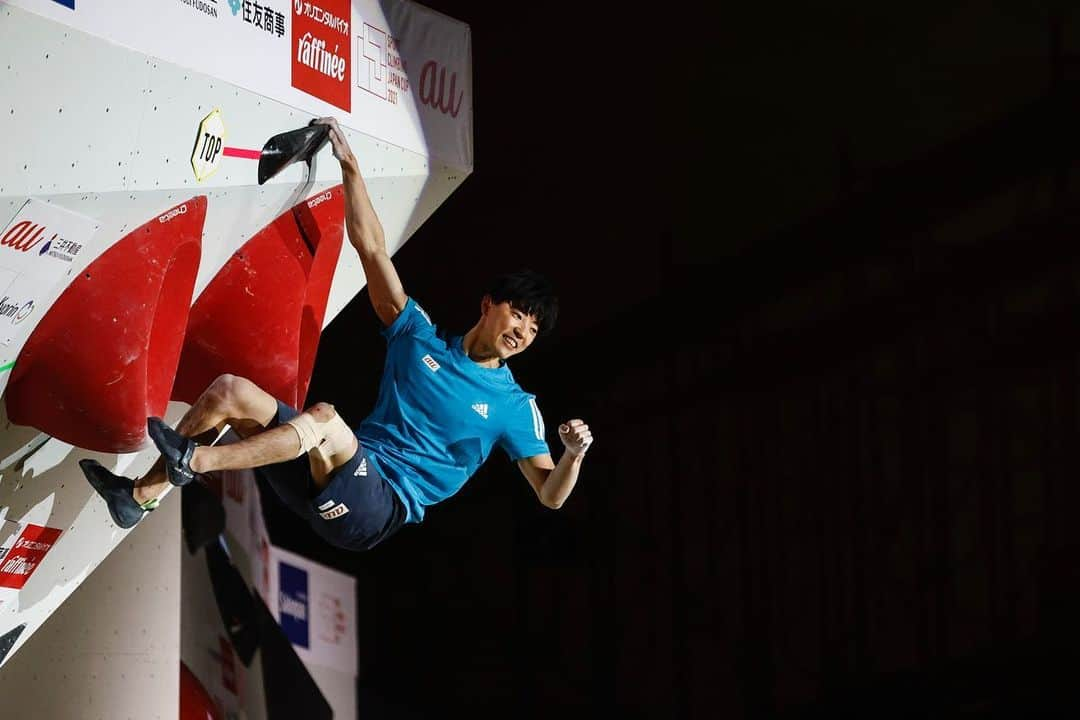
{"x":19,"y":562}
{"x":321,"y":50}
{"x":393,"y":69}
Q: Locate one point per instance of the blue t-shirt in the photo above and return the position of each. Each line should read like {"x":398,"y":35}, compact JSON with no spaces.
{"x":439,"y":414}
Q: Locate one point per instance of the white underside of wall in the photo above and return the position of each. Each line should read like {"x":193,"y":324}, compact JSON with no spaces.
{"x":112,"y":651}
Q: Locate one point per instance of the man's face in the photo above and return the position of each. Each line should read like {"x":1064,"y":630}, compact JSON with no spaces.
{"x":507,"y":329}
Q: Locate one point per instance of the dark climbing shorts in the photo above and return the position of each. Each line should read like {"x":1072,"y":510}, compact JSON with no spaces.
{"x":357,"y":510}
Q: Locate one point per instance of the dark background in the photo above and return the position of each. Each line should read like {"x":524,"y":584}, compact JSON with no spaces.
{"x":820,"y":280}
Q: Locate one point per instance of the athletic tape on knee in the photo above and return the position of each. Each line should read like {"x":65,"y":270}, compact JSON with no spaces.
{"x":307,"y":430}
{"x":329,"y":437}
{"x":337,"y":437}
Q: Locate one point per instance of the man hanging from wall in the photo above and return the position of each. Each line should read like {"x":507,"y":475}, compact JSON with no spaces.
{"x":444,"y":402}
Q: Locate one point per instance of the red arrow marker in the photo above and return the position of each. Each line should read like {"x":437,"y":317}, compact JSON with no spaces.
{"x":241,"y":153}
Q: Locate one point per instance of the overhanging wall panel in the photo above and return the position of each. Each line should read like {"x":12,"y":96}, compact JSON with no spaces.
{"x":107,"y":131}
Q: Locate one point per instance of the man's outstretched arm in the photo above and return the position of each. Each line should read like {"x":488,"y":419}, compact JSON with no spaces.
{"x":366,"y":233}
{"x":553,"y":482}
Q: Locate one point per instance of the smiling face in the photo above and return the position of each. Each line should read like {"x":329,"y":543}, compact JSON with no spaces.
{"x":504,"y":331}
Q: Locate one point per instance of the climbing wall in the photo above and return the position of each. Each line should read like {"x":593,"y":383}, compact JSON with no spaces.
{"x":133,"y":234}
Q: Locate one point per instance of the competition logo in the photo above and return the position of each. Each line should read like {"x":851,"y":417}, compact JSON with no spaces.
{"x":380,"y":69}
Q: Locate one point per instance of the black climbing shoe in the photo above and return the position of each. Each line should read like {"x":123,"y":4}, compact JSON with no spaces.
{"x":176,"y":450}
{"x":117,"y":492}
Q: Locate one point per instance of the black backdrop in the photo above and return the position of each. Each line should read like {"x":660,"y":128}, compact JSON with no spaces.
{"x":820,"y":282}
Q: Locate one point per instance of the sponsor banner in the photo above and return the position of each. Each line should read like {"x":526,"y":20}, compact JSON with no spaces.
{"x":391,"y":69}
{"x":316,"y":607}
{"x":293,"y":604}
{"x":37,"y":251}
{"x":414,"y":59}
{"x":321,"y":50}
{"x":25,"y":555}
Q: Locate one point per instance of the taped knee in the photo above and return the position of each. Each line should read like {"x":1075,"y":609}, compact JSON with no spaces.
{"x":329,"y":437}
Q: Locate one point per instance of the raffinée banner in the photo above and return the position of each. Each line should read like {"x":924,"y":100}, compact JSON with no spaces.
{"x":395,"y":70}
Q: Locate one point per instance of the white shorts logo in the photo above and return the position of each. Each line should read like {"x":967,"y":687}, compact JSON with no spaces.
{"x":334,"y":512}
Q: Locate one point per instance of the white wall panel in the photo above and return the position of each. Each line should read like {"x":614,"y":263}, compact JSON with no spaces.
{"x":106,"y":129}
{"x":113,"y":650}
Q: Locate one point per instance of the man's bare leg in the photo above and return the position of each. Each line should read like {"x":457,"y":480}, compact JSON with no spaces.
{"x":231,"y":400}
{"x":266,"y":448}
{"x":280,"y":444}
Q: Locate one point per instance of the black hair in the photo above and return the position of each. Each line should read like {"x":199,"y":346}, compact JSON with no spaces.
{"x":529,"y":292}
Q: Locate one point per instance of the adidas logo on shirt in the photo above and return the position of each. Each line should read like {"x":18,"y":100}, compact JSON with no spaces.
{"x":481,"y":409}
{"x":361,"y":469}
